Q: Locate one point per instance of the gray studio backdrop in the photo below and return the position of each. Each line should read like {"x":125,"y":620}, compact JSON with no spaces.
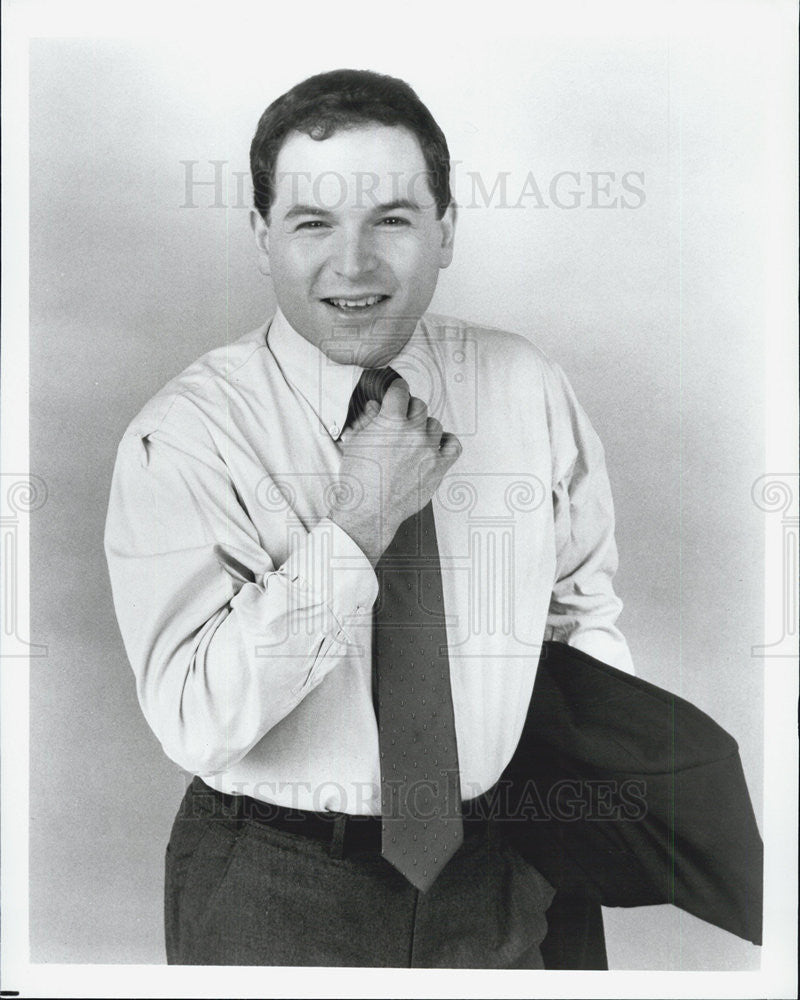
{"x":654,"y":310}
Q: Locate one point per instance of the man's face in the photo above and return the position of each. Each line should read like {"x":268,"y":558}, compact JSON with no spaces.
{"x":353,"y":243}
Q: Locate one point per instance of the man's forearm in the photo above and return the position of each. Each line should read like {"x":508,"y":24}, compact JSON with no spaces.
{"x":223,"y":643}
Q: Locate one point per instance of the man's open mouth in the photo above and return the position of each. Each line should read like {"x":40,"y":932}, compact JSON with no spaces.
{"x":356,"y":303}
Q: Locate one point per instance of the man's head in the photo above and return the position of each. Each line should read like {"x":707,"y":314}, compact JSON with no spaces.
{"x":343,"y":99}
{"x":353,"y":211}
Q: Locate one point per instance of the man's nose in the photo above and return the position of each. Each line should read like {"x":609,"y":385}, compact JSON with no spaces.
{"x":354,"y":256}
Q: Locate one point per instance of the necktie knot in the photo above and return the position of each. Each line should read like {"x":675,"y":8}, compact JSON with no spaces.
{"x":372,"y":385}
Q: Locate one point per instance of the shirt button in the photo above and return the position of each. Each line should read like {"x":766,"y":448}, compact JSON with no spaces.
{"x":334,"y":430}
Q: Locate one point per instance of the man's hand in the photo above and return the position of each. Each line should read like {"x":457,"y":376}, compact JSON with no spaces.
{"x":393,"y":459}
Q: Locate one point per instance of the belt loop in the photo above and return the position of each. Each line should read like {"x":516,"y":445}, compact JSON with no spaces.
{"x":337,"y":840}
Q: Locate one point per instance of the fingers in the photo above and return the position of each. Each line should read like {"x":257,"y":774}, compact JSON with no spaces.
{"x":450,"y":448}
{"x":434,"y":429}
{"x":396,"y":400}
{"x":400,"y":405}
{"x":417,"y":410}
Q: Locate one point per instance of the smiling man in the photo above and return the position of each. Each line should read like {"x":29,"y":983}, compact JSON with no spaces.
{"x":336,"y":547}
{"x":355,"y":239}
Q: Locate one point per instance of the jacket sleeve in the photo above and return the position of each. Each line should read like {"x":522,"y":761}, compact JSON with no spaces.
{"x":584,"y":607}
{"x":223,"y":643}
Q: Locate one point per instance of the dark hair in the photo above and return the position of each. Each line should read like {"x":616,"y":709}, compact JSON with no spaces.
{"x":345,"y":98}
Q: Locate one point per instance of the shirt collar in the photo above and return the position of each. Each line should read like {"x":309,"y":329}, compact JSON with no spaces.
{"x":326,"y":385}
{"x":418,"y":364}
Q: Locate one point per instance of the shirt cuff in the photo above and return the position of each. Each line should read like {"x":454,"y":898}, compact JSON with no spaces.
{"x":605,"y":643}
{"x":330,"y":564}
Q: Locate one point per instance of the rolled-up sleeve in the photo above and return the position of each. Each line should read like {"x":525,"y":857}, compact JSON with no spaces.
{"x":223,"y":643}
{"x":584,"y":606}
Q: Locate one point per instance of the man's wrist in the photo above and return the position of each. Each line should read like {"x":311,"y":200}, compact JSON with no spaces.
{"x":365,"y":534}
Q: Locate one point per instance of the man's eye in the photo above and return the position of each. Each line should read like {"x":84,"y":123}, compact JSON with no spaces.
{"x":311,"y":224}
{"x":394,"y":220}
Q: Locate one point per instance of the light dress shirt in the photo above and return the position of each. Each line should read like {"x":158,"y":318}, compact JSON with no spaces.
{"x":246,"y":612}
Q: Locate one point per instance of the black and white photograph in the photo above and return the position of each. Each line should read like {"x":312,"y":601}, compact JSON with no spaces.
{"x":399,"y":500}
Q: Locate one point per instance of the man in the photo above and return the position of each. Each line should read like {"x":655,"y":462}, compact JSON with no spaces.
{"x":336,"y":546}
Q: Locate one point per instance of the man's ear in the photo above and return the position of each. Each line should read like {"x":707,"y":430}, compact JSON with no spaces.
{"x":261,"y":233}
{"x":448,"y":225}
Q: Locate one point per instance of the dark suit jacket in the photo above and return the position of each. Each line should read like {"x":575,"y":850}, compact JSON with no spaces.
{"x":623,"y":794}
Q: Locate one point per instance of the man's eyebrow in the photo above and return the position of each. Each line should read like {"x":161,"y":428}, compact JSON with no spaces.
{"x":398,"y":203}
{"x":381,"y":207}
{"x":296,"y":210}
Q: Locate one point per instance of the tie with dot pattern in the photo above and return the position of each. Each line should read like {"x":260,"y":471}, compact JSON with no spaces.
{"x":420,"y":788}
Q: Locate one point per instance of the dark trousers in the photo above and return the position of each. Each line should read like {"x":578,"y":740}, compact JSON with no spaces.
{"x":239,"y":892}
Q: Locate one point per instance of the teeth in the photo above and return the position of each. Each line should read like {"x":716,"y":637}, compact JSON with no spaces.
{"x":369,"y":300}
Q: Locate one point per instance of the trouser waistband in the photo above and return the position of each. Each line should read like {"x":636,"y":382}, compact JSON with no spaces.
{"x":346,"y":833}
